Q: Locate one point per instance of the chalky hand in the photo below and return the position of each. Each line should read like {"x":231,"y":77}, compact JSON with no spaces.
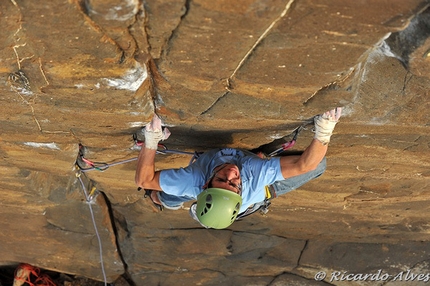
{"x":155,"y":133}
{"x":325,"y":123}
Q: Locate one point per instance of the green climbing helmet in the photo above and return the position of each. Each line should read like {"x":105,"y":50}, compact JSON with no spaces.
{"x":218,"y":208}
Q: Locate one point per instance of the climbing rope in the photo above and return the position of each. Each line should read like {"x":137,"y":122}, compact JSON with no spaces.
{"x":88,"y":198}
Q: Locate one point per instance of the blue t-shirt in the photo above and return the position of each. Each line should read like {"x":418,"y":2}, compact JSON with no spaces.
{"x":255,"y":174}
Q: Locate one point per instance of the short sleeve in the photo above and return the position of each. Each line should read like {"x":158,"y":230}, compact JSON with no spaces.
{"x":182,"y":182}
{"x":256,"y":174}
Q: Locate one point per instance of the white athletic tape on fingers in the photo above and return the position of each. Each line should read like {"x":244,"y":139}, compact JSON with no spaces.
{"x":154,"y":133}
{"x":324,"y":125}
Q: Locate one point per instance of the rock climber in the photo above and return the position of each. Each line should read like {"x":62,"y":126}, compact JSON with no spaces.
{"x":230,"y":183}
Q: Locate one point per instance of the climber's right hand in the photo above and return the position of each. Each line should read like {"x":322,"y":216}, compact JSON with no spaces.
{"x":154,"y":133}
{"x":325,"y":123}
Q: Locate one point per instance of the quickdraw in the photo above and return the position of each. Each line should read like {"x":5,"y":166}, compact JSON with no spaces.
{"x":83,"y":162}
{"x":287,"y":145}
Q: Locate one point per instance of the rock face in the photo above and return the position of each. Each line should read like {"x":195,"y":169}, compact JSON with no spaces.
{"x":220,"y":73}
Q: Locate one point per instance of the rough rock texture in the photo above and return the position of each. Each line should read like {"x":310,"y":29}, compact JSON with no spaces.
{"x":221,"y":73}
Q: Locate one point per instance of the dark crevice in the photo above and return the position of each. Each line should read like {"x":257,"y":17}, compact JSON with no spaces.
{"x":408,"y":77}
{"x":130,"y":29}
{"x":173,"y":35}
{"x":187,"y":9}
{"x":85,"y":8}
{"x":301,"y":252}
{"x":405,"y":42}
{"x":123,"y":225}
{"x":143,"y":11}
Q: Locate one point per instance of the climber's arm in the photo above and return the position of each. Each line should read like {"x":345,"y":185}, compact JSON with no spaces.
{"x":297,"y":165}
{"x":308,"y":161}
{"x":146,"y":177}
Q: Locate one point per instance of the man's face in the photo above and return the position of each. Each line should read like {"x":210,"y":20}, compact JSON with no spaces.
{"x":227,"y":176}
